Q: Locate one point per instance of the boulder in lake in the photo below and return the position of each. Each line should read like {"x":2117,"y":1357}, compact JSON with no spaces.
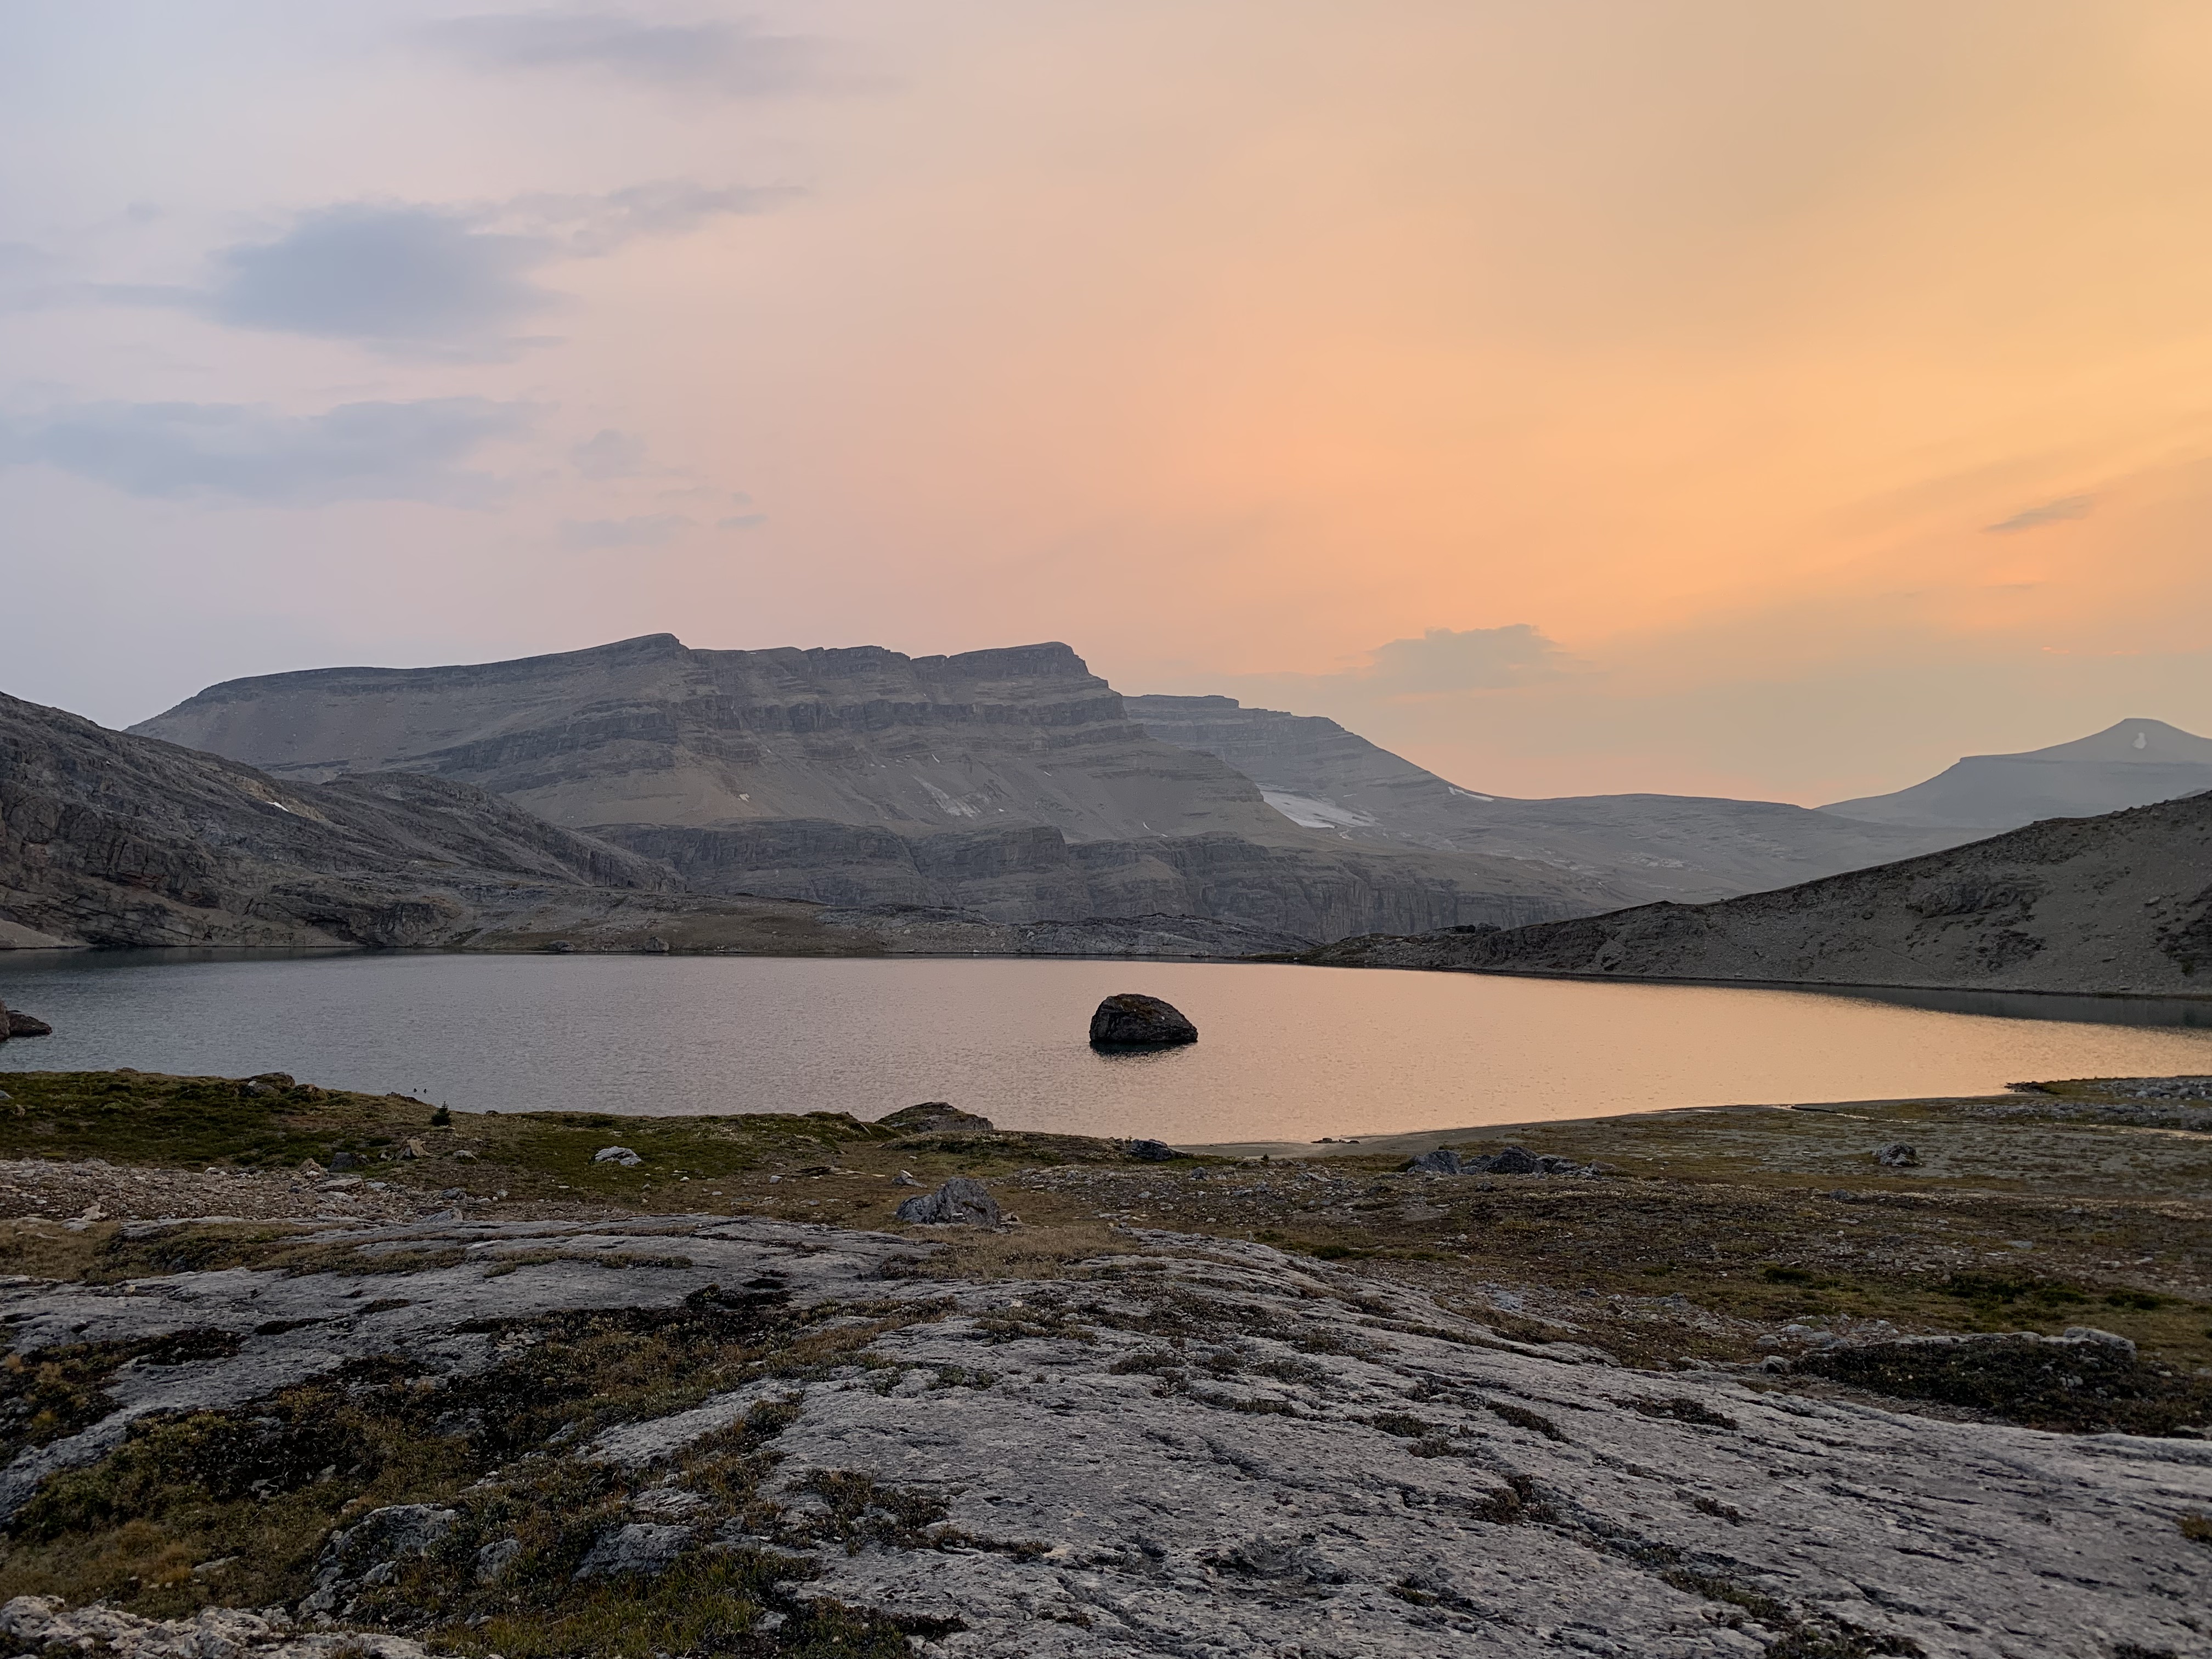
{"x":961,"y":1201}
{"x":1132,"y":1020}
{"x":933,"y":1115}
{"x":15,"y":1023}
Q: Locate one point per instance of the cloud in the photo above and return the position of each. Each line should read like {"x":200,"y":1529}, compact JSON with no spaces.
{"x":729,"y":60}
{"x":1446,"y":660}
{"x":253,"y":453}
{"x":645,"y":530}
{"x":608,"y":454}
{"x":2057,"y":512}
{"x":415,"y":279}
{"x":388,"y":275}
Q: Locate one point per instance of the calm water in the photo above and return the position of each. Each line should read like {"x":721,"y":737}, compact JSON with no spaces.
{"x":1289,"y":1054}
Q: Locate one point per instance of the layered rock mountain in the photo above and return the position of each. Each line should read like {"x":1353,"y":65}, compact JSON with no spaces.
{"x":1011,"y":783}
{"x":111,"y":839}
{"x":2120,"y":904}
{"x":2133,"y":763}
{"x":1646,"y":847}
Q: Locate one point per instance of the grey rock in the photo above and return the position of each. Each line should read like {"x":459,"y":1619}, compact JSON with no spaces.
{"x":21,"y":1024}
{"x":1263,"y":1512}
{"x":933,"y":1117}
{"x":1897,"y":1156}
{"x":1152,"y":1152}
{"x":961,"y":1200}
{"x":654,"y":945}
{"x":45,"y":1623}
{"x":1134,"y":1020}
{"x":495,"y":1557}
{"x":370,"y":1552}
{"x":1513,"y":1160}
{"x":640,"y":1548}
{"x":622,"y":1155}
{"x":2090,"y":1334}
{"x":1442,"y":1161}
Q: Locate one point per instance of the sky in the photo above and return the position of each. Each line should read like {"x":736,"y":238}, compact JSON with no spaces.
{"x":1575,"y":395}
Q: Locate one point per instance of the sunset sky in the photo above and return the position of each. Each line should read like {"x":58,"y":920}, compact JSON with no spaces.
{"x":1577,"y":396}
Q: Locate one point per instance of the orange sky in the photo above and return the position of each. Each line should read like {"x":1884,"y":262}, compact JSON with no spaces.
{"x":1228,"y":341}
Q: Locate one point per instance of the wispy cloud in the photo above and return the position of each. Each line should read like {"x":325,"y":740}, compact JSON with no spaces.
{"x":253,"y":453}
{"x":2057,"y":512}
{"x":643,"y":530}
{"x":725,"y":59}
{"x":425,"y":280}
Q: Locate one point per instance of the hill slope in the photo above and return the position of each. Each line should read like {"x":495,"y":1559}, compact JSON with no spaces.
{"x":1647,"y":847}
{"x":2133,"y":763}
{"x":1008,"y":782}
{"x":2116,"y":904}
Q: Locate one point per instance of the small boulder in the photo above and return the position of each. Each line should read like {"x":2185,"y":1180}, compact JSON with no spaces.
{"x":655,"y":946}
{"x":347,"y":1161}
{"x":1513,"y":1160}
{"x":961,"y":1201}
{"x":1442,"y":1161}
{"x":620,"y":1155}
{"x":1134,"y":1021}
{"x":1897,"y":1156}
{"x":21,"y":1024}
{"x":1152,"y":1152}
{"x":933,"y":1115}
{"x":643,"y":1547}
{"x":559,"y":947}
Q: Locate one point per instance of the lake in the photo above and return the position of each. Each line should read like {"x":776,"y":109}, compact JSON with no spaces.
{"x":1286,"y":1053}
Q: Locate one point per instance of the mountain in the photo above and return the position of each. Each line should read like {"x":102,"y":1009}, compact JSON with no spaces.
{"x":2133,"y":763}
{"x":1645,"y":846}
{"x":107,"y":838}
{"x":1008,"y":782}
{"x":2120,"y":904}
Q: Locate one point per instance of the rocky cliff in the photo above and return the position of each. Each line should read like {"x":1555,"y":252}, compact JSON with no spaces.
{"x":2133,"y":763}
{"x":1011,"y":783}
{"x":1644,"y":847}
{"x":111,"y":839}
{"x":2119,"y":904}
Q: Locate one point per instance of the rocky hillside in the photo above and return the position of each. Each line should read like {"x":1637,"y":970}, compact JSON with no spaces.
{"x":2119,"y":904}
{"x":2133,"y":763}
{"x":1643,"y":846}
{"x":1011,"y":783}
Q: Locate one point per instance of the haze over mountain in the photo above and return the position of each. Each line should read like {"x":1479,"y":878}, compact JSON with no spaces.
{"x":2133,"y":763}
{"x":1008,"y":782}
{"x":2120,"y":904}
{"x":1677,"y":847}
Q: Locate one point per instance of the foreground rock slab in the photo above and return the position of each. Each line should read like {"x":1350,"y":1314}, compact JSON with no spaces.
{"x":1196,"y":1448}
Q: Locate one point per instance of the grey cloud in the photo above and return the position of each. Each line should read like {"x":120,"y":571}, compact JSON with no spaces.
{"x":252,"y":453}
{"x":419,"y":280}
{"x":645,"y":530}
{"x":388,"y":275}
{"x":727,"y":58}
{"x":2057,"y":512}
{"x":608,"y":454}
{"x":1470,"y":659}
{"x":741,"y":521}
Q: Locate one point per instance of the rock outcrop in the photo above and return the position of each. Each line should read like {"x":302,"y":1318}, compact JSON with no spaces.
{"x":1643,"y":846}
{"x":1134,"y":1020}
{"x":1011,"y":783}
{"x":2115,"y":905}
{"x":2135,"y":763}
{"x":1196,"y":1446}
